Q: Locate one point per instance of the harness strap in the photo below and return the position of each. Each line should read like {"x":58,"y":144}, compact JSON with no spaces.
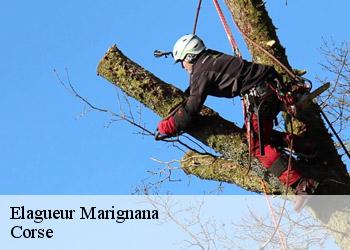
{"x":278,"y":167}
{"x":254,"y":99}
{"x":260,"y":129}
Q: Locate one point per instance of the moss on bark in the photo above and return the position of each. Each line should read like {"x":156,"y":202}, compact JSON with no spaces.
{"x":253,"y":20}
{"x":223,"y":170}
{"x":138,"y":82}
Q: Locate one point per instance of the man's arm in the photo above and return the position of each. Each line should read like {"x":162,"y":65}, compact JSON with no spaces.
{"x":182,"y":119}
{"x":198,"y":91}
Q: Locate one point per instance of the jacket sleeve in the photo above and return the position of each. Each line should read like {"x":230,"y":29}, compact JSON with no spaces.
{"x":187,"y":91}
{"x":198,"y":93}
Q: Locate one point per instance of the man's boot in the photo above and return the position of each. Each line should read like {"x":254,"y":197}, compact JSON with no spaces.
{"x":279,"y":168}
{"x":301,"y":185}
{"x":304,"y":188}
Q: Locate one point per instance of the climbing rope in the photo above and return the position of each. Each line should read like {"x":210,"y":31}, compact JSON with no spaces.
{"x":237,"y":52}
{"x":196,"y":17}
{"x":227,"y":29}
{"x":276,"y":223}
{"x":224,"y":23}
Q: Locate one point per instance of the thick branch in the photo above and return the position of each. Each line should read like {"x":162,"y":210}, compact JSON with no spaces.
{"x":218,"y":169}
{"x":211,"y":129}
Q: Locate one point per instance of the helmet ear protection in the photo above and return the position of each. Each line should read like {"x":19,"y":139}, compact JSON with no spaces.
{"x":190,"y":58}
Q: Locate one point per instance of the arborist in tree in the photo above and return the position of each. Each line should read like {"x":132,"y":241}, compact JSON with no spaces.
{"x":217,"y":74}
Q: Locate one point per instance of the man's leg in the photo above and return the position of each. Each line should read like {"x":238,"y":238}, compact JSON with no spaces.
{"x":273,"y":159}
{"x":277,"y":164}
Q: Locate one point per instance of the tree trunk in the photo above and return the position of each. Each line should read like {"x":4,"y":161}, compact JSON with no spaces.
{"x":253,"y":19}
{"x":222,"y":135}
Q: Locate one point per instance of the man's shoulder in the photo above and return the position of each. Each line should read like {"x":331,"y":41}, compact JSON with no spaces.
{"x":212,"y":59}
{"x":211,"y":55}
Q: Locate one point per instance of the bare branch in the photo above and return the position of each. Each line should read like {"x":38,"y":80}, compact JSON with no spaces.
{"x":336,"y":102}
{"x":128,"y":118}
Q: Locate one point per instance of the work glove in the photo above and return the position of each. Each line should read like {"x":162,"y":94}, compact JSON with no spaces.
{"x":167,"y":127}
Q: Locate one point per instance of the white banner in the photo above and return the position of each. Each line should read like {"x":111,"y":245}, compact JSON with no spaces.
{"x":166,"y":222}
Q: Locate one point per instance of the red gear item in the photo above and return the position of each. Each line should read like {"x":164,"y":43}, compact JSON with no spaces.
{"x":167,"y":127}
{"x":271,"y":153}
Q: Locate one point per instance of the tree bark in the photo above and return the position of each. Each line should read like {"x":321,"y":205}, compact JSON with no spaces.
{"x":211,"y":129}
{"x":222,"y":135}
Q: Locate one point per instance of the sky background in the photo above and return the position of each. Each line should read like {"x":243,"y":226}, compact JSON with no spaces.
{"x":48,"y":147}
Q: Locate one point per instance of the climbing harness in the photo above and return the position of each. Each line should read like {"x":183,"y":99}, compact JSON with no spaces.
{"x":290,"y":93}
{"x":255,"y":101}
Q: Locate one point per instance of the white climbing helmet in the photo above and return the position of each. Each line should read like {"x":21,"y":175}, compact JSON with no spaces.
{"x":187,"y":44}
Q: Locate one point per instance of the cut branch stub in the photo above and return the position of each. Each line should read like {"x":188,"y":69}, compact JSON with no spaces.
{"x":138,"y":82}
